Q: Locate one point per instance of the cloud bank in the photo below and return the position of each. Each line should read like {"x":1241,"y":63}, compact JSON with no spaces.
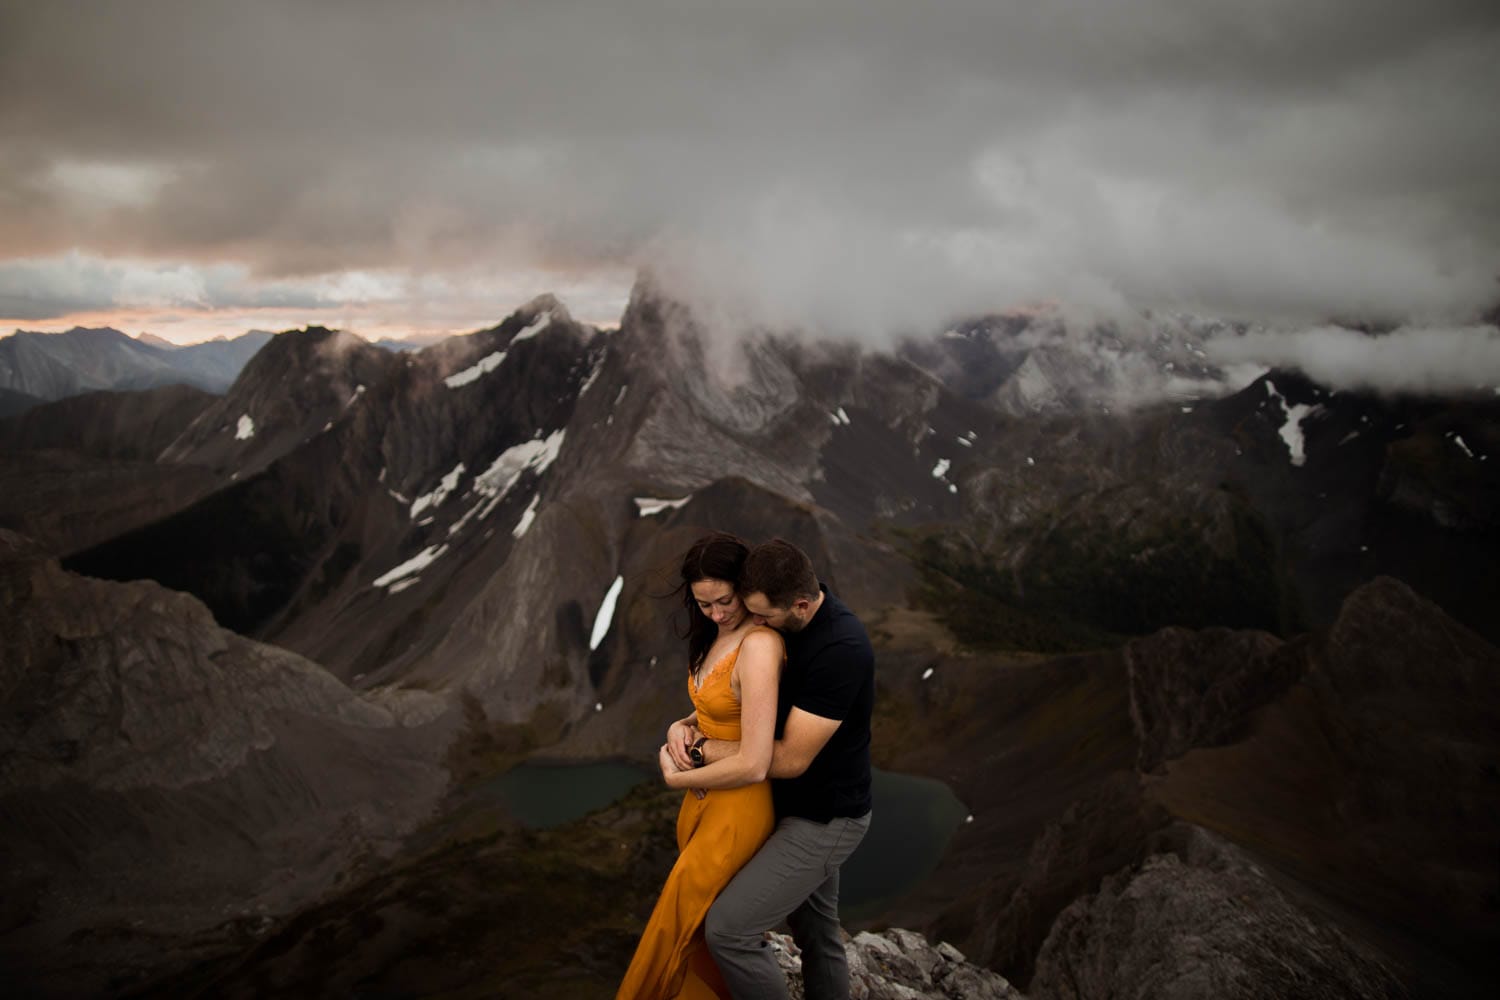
{"x":1418,"y":360}
{"x":859,"y":168}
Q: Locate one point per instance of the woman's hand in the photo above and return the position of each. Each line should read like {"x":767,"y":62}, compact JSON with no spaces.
{"x":758,"y":672}
{"x":680,"y":736}
{"x":669,"y":767}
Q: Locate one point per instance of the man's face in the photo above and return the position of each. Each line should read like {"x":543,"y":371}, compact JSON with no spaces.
{"x":792,"y":619}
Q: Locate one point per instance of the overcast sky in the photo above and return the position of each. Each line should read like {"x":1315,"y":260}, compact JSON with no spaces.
{"x":858,"y":167}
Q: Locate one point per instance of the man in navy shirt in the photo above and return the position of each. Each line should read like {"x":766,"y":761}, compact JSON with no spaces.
{"x":820,"y":780}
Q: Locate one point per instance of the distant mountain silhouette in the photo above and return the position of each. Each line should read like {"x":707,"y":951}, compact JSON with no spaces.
{"x":56,"y":365}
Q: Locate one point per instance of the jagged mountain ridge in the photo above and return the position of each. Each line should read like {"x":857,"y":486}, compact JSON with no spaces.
{"x":291,"y":390}
{"x":1168,"y":506}
{"x":391,"y":447}
{"x":414,"y":458}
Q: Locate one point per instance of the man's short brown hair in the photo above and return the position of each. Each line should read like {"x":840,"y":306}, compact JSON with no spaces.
{"x":780,"y":571}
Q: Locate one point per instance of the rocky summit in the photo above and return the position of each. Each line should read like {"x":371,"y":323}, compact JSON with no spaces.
{"x":1213,"y":678}
{"x":898,"y":964}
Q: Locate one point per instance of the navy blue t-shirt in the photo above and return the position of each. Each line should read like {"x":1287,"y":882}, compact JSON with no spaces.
{"x":830,"y":671}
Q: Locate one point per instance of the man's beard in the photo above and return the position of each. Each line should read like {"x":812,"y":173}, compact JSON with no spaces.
{"x":794,"y":624}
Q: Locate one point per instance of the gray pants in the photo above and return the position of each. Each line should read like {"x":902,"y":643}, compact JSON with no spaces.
{"x":793,"y":877}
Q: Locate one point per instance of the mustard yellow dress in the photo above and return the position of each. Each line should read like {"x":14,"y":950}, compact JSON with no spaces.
{"x":716,"y":835}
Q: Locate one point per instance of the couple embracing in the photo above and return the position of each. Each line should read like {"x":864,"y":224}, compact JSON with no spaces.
{"x":782,"y":680}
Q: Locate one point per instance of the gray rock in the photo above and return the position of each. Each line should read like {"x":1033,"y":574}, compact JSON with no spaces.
{"x":899,"y":964}
{"x":1207,"y":924}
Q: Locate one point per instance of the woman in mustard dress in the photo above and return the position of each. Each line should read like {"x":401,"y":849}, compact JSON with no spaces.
{"x":734,"y":667}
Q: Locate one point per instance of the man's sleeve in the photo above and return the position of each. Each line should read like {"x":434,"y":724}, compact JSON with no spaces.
{"x":835,"y":678}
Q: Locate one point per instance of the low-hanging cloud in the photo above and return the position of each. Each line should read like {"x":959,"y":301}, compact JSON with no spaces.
{"x":1421,"y":360}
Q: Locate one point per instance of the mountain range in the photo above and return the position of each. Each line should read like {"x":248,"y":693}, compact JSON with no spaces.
{"x":1214,"y":675}
{"x":48,"y":366}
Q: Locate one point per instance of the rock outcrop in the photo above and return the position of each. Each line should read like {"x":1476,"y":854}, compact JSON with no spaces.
{"x":1310,"y":811}
{"x":160,"y":775}
{"x":1205,"y":922}
{"x":898,"y":964}
{"x":1371,"y":781}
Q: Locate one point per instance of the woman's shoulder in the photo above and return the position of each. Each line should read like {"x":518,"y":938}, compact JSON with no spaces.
{"x":763,"y":637}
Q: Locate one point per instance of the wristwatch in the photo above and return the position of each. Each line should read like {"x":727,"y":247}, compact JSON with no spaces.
{"x":696,"y":752}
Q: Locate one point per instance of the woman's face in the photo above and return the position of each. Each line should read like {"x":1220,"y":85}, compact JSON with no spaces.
{"x":717,"y":600}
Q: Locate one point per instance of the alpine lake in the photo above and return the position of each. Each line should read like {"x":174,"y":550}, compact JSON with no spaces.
{"x":914,"y":818}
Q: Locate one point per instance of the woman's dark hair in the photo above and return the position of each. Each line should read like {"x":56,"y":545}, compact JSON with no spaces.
{"x":719,"y":556}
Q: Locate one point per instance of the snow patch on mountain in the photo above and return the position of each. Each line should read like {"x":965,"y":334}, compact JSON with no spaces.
{"x":495,"y":482}
{"x":606,"y":614}
{"x":246,"y":429}
{"x":646,"y":506}
{"x":476,"y":371}
{"x":527,"y":516}
{"x":535,"y":328}
{"x":536,"y":454}
{"x":593,"y":377}
{"x":1291,"y":430}
{"x":446,"y":485}
{"x":415,"y":564}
